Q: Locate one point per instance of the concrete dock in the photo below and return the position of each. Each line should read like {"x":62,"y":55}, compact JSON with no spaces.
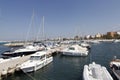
{"x":8,"y":66}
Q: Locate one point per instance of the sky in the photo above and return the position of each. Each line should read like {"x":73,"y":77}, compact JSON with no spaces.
{"x":62,"y":18}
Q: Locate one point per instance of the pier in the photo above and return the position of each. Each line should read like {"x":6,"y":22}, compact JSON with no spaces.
{"x":8,"y":66}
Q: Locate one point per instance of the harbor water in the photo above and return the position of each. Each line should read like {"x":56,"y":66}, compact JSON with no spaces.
{"x":71,"y":68}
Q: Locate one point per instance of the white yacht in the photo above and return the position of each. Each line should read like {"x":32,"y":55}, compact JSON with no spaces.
{"x":75,"y":50}
{"x":95,"y":41}
{"x":115,"y":66}
{"x":96,"y":72}
{"x":36,"y":61}
{"x":29,"y":49}
{"x":116,"y":41}
{"x":85,"y":44}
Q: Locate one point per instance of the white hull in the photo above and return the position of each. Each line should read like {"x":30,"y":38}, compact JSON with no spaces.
{"x":37,"y":66}
{"x":75,"y":50}
{"x":96,"y":72}
{"x":75,"y":53}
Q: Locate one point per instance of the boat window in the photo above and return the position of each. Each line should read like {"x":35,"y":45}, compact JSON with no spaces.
{"x":71,"y":48}
{"x":43,"y":57}
{"x":35,"y":58}
{"x":32,"y":57}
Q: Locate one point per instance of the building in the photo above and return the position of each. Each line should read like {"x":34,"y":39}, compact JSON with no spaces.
{"x":112,"y":34}
{"x":98,"y":35}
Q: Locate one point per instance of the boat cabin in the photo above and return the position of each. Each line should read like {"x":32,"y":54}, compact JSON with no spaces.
{"x":71,"y":48}
{"x":40,"y":56}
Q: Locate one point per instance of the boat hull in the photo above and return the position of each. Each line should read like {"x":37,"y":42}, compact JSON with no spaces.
{"x":75,"y":53}
{"x":37,"y":66}
{"x":19,"y":53}
{"x":96,"y":72}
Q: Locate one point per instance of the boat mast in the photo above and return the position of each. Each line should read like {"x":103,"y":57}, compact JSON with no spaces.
{"x":43,"y":29}
{"x":39,"y":31}
{"x":30,"y":25}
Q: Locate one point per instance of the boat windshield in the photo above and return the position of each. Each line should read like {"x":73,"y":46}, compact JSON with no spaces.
{"x":35,"y":58}
{"x":71,"y":48}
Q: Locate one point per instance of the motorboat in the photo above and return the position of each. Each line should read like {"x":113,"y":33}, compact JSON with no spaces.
{"x":96,"y":72}
{"x":84,"y":44}
{"x":115,"y":67}
{"x":116,"y":41}
{"x":26,"y":50}
{"x":36,"y":61}
{"x":75,"y":50}
{"x":95,"y":41}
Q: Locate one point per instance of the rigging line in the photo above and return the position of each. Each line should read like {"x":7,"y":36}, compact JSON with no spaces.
{"x":30,"y":25}
{"x":39,"y":31}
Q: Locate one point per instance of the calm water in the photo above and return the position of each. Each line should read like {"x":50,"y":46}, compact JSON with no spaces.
{"x":71,"y":68}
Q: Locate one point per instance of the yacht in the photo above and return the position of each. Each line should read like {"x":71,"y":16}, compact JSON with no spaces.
{"x":96,"y":72}
{"x":115,"y":67}
{"x":116,"y":41}
{"x":36,"y":61}
{"x":75,"y":50}
{"x":95,"y":41}
{"x":84,"y":44}
{"x":29,"y":49}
